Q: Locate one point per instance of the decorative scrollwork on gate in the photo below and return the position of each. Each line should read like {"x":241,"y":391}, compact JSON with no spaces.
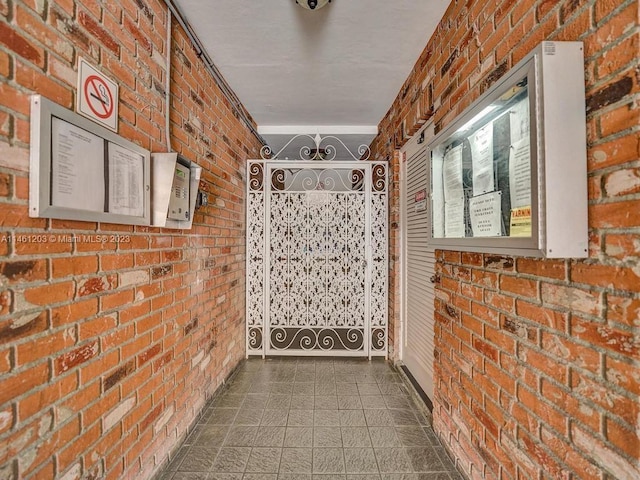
{"x":323,"y":339}
{"x":255,"y":257}
{"x":379,"y":260}
{"x":255,"y":338}
{"x":379,"y":264}
{"x":314,"y":179}
{"x":321,"y":149}
{"x":378,"y":339}
{"x":379,"y":177}
{"x":256,"y":176}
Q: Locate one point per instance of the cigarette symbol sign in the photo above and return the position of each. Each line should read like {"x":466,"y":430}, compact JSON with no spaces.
{"x":97,"y":96}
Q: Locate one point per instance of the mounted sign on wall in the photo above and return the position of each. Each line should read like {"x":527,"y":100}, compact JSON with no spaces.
{"x":97,"y":96}
{"x":420,"y":200}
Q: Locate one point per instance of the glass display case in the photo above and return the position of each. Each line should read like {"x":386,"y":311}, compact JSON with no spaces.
{"x":509,"y":174}
{"x":80,"y":170}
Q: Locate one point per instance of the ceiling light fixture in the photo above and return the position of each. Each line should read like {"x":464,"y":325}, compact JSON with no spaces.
{"x":312,"y":4}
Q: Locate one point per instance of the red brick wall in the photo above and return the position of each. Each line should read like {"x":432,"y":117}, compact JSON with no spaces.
{"x":537,"y":361}
{"x":109,"y":350}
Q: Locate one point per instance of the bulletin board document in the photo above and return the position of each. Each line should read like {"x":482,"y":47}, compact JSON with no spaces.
{"x":520,"y":173}
{"x":77,"y":167}
{"x":486,"y":215}
{"x":126,"y":181}
{"x":482,"y":159}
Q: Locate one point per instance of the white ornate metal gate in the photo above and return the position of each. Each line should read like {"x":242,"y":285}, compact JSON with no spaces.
{"x":317,"y":258}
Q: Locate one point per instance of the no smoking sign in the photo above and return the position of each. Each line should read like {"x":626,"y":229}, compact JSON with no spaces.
{"x":97,"y":96}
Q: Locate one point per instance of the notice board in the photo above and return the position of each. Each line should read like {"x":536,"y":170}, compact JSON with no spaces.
{"x":82,"y":171}
{"x":508,"y":175}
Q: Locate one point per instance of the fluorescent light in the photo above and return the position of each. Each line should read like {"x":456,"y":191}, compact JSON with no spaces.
{"x":478,"y":117}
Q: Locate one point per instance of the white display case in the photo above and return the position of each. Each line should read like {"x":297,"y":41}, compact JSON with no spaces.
{"x":509,"y":175}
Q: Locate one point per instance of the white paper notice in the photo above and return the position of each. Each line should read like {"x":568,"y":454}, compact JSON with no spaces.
{"x":77,"y":167}
{"x":437,"y":197}
{"x":519,"y":120}
{"x":454,"y":218}
{"x":452,"y":174}
{"x":482,"y":160}
{"x":486,"y":215}
{"x":453,"y":194}
{"x":126,"y":181}
{"x":520,"y":173}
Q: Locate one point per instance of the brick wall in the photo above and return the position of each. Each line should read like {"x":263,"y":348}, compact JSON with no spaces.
{"x":536,"y":371}
{"x":109,"y":349}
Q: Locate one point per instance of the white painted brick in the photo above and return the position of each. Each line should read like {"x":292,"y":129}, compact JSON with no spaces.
{"x":622,"y":182}
{"x":195,"y":121}
{"x":136,"y":277}
{"x":205,"y":362}
{"x":5,"y":418}
{"x":117,"y":414}
{"x":6,"y":472}
{"x":617,"y":465}
{"x":162,"y":421}
{"x":159,"y":58}
{"x":14,"y":157}
{"x":73,"y":473}
{"x":197,"y":359}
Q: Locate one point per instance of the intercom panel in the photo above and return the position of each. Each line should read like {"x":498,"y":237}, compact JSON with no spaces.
{"x":179,"y":200}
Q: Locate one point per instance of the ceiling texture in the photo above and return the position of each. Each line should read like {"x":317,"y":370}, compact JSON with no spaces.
{"x":333,"y":71}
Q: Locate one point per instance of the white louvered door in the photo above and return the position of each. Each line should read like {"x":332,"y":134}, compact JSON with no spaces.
{"x":419,"y":266}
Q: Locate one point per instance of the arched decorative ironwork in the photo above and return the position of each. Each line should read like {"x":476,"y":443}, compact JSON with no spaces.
{"x":323,"y":148}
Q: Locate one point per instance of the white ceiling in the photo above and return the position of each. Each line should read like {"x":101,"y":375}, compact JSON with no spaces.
{"x":294,"y":69}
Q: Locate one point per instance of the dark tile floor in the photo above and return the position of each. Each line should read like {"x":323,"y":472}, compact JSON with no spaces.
{"x":304,"y":419}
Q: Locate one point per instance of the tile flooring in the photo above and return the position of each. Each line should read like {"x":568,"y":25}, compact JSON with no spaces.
{"x":308,"y":419}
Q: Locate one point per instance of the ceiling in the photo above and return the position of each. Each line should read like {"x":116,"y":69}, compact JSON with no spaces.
{"x":335,"y":70}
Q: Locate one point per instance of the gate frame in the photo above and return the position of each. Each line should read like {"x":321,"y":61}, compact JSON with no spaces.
{"x":258,"y":171}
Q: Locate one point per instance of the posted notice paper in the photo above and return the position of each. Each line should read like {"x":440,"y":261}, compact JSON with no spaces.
{"x":454,"y":218}
{"x":452,"y":174}
{"x":126,"y":181}
{"x":519,"y":120}
{"x":77,"y":167}
{"x":437,"y":196}
{"x":482,"y":160}
{"x":520,"y":173}
{"x":520,"y":224}
{"x":486,"y":215}
{"x":453,"y":194}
